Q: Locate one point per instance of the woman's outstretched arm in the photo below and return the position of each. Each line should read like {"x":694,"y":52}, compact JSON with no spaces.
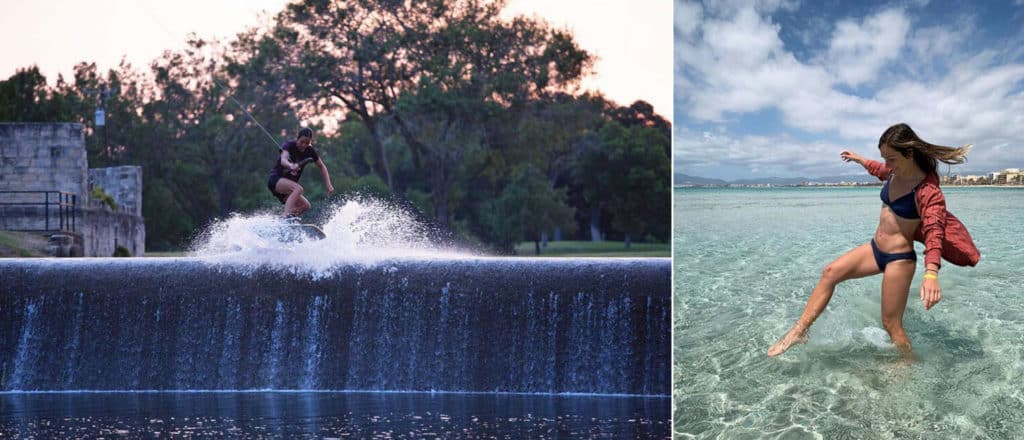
{"x":874,"y":167}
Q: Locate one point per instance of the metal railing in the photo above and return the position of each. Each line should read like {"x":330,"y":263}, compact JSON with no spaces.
{"x":66,"y":205}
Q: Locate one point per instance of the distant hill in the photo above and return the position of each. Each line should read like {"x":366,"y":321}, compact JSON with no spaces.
{"x":683,"y":179}
{"x":770,"y":181}
{"x":943,"y":172}
{"x":859,"y":178}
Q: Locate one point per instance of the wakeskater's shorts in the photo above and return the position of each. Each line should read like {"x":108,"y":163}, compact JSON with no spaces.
{"x":272,"y":185}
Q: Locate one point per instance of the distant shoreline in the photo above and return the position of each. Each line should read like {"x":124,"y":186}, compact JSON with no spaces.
{"x":981,"y":186}
{"x":829,"y":185}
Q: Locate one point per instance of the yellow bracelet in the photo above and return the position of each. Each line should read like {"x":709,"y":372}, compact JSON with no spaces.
{"x":930,"y":276}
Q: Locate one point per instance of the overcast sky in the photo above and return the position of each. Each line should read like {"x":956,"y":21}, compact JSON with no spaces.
{"x":631,"y":39}
{"x":779,"y":88}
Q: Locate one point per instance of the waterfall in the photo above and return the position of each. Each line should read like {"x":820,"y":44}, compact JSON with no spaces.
{"x":419,"y":324}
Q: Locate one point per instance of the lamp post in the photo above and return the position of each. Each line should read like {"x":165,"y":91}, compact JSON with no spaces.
{"x":101,"y":113}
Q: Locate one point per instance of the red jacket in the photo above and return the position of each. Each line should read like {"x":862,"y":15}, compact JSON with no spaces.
{"x":940,"y":231}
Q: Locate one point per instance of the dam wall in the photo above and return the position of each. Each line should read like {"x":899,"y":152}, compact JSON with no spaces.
{"x":597,"y":326}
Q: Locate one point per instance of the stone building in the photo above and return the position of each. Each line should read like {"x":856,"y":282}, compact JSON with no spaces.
{"x":46,"y":187}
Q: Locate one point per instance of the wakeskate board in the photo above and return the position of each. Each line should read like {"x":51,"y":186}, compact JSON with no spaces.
{"x":290,"y":232}
{"x":311,"y":231}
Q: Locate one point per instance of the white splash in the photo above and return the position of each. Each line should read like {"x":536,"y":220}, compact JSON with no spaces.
{"x":358,"y":232}
{"x":877,"y":337}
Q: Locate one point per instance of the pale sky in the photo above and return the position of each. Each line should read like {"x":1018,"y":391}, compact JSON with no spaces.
{"x":632,"y":40}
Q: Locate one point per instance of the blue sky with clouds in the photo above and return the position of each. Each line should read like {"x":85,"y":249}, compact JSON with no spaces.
{"x":780,"y":87}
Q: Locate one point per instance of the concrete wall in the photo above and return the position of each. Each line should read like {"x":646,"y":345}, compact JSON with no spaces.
{"x":52,"y":157}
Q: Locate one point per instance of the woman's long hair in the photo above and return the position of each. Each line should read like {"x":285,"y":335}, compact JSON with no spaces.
{"x":901,"y":137}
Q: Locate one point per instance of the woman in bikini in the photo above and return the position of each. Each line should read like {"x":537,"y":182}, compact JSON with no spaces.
{"x":913,"y":207}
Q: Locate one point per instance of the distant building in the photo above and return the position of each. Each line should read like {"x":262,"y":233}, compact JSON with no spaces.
{"x":1009,"y":176}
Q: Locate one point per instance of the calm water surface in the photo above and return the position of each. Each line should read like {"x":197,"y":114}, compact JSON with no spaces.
{"x":745,"y":262}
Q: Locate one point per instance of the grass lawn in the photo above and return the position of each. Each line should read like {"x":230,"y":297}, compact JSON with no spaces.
{"x":558,"y":249}
{"x":166,"y":254}
{"x":595,"y":249}
{"x":22,"y":244}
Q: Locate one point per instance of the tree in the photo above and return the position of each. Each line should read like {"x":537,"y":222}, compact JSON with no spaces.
{"x":550,"y":134}
{"x":25,"y":97}
{"x":204,"y":146}
{"x":526,"y":208}
{"x":435,"y":70}
{"x":626,"y":171}
{"x":438,"y":104}
{"x":641,"y":114}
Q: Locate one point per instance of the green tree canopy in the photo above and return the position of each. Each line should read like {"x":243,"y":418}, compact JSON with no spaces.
{"x":434,"y":70}
{"x":526,"y":208}
{"x":25,"y":97}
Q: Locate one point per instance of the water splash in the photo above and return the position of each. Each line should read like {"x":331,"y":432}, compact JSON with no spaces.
{"x":877,"y":337}
{"x":359,"y":231}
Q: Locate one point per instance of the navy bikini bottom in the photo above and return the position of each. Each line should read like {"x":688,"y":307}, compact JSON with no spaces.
{"x":883,"y":258}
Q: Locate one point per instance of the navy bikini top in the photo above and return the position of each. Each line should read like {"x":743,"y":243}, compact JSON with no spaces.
{"x":903,"y":206}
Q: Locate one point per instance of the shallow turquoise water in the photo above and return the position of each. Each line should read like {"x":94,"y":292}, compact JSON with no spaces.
{"x":745,"y":261}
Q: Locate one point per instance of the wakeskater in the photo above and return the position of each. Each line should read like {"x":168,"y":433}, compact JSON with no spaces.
{"x":284,"y":177}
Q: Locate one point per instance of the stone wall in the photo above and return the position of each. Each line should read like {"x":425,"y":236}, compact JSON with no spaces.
{"x":52,"y":157}
{"x":123,"y":183}
{"x":40,"y":157}
{"x":123,"y":226}
{"x":43,"y":157}
{"x":103,"y":230}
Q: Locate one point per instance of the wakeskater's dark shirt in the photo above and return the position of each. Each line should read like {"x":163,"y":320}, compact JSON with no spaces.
{"x":296,"y":156}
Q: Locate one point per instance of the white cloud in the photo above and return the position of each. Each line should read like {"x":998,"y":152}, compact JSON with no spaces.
{"x":745,"y":41}
{"x":736,"y":63}
{"x":927,"y":43}
{"x":688,"y":16}
{"x":729,"y":7}
{"x":858,"y":51}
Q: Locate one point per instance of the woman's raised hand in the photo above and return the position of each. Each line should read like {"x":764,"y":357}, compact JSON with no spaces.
{"x":849,"y":156}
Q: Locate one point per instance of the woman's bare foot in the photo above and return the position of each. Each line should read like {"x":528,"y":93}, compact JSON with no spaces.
{"x":906,"y":353}
{"x":796,"y":335}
